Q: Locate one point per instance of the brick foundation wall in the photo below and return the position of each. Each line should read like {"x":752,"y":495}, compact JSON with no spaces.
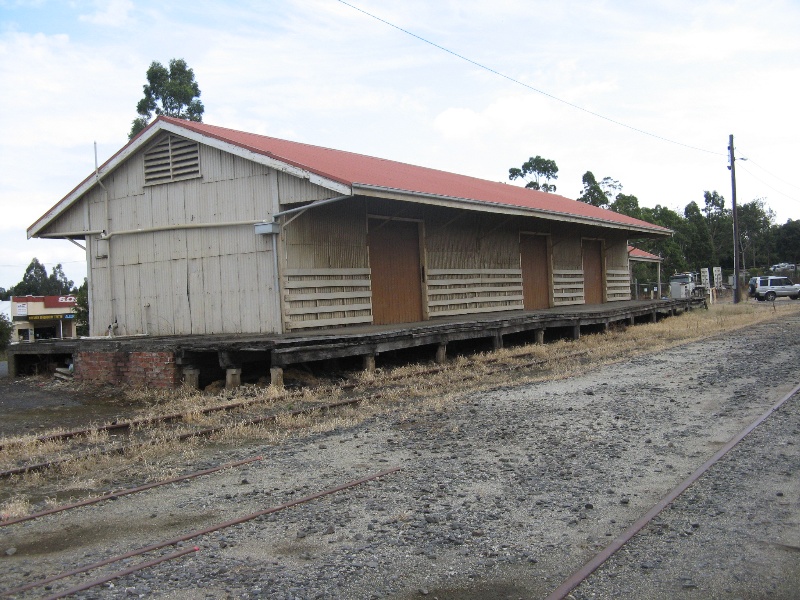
{"x":138,"y":369}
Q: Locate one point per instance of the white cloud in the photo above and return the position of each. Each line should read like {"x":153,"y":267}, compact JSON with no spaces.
{"x":109,"y":13}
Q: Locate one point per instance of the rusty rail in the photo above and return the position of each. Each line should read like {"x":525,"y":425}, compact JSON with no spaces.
{"x":119,"y":494}
{"x":590,"y":567}
{"x":198,"y":533}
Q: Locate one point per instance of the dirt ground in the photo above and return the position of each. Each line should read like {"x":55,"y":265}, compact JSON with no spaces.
{"x":31,"y":404}
{"x":502,"y":493}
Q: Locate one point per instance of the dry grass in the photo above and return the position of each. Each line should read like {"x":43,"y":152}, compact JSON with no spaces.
{"x":406,"y":391}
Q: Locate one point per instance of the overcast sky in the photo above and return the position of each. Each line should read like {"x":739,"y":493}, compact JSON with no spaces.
{"x":321,"y":72}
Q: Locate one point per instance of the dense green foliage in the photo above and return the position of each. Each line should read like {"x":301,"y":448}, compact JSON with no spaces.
{"x":6,"y":327}
{"x":36,"y":282}
{"x":172,"y":92}
{"x":703,"y":234}
{"x":541,"y":170}
{"x":82,"y":309}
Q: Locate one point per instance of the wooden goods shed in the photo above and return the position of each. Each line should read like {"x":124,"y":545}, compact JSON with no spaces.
{"x":193,"y":229}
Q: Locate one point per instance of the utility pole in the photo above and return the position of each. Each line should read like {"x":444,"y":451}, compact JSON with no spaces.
{"x":732,"y":167}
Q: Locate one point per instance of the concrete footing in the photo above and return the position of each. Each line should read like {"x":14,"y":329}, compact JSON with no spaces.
{"x":191,"y":377}
{"x":233,"y":378}
{"x":368,"y":363}
{"x":441,"y":354}
{"x":276,"y":377}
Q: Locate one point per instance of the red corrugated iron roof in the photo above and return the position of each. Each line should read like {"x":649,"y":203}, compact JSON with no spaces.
{"x":354,"y":169}
{"x":634,"y":252}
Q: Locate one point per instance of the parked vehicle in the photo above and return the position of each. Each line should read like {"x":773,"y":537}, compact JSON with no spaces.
{"x":782,"y":267}
{"x":686,"y":285}
{"x":770,"y":287}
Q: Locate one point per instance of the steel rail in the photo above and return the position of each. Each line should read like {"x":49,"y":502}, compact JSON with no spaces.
{"x":123,"y":573}
{"x":590,"y":567}
{"x":255,"y":421}
{"x":184,"y":436}
{"x":200,"y":532}
{"x":127,"y":492}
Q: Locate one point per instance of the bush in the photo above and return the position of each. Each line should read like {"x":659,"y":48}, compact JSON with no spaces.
{"x":6,"y":327}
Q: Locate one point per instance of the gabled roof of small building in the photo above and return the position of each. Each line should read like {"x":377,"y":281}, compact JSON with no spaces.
{"x":349,"y":173}
{"x":639,"y":254}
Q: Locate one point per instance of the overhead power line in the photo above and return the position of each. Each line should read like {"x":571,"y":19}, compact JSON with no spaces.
{"x":740,"y":166}
{"x":530,"y":87}
{"x":789,"y":183}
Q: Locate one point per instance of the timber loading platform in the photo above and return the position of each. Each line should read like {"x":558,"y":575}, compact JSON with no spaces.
{"x":196,"y":360}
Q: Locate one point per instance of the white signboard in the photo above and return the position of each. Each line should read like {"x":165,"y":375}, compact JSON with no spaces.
{"x":704,"y":278}
{"x":718,"y":277}
{"x":22,"y":309}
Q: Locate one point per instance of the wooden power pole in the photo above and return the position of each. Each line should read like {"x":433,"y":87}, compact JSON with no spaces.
{"x":732,"y":167}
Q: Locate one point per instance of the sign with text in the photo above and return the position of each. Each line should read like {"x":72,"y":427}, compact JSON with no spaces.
{"x":718,"y":277}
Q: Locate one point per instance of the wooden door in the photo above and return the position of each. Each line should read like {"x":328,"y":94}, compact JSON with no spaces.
{"x":535,"y":272}
{"x":396,"y":274}
{"x":592,"y":272}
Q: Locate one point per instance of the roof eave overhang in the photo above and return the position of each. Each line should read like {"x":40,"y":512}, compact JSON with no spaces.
{"x":144,"y":138}
{"x":497,"y":207}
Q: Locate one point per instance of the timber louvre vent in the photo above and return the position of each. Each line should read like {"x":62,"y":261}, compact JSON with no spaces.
{"x":173,"y":158}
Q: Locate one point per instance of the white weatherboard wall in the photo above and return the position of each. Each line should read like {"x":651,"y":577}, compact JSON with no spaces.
{"x":209,"y":279}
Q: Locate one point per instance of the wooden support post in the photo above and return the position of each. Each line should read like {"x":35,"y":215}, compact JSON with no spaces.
{"x":12,"y":365}
{"x":276,"y":377}
{"x":539,"y":336}
{"x":368,"y":361}
{"x":233,"y":378}
{"x":441,"y":354}
{"x":191,"y":377}
{"x":497,"y":341}
{"x":605,"y":326}
{"x":631,"y":321}
{"x":654,"y":317}
{"x":576,"y":332}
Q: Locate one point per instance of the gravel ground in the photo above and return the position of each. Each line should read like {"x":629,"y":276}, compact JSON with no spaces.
{"x":502,"y":494}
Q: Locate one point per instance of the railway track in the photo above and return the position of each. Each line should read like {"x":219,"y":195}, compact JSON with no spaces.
{"x":124,"y":437}
{"x":528,"y":472}
{"x":577,"y":578}
{"x":171,"y":542}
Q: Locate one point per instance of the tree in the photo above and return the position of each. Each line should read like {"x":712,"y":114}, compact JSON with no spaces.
{"x":593,"y":193}
{"x":82,"y":309}
{"x":539,"y":168}
{"x":720,"y":226}
{"x":671,"y":249}
{"x":755,"y":223}
{"x":697,"y":246}
{"x":6,"y":328}
{"x":626,"y":204}
{"x":172,"y":92}
{"x":787,"y":241}
{"x":36,"y":282}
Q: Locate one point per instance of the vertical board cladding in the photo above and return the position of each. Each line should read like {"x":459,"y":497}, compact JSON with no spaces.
{"x":136,"y":369}
{"x":326,"y":273}
{"x":618,"y":277}
{"x":193,"y":280}
{"x":292,"y":190}
{"x":473,"y":263}
{"x":567,"y":269}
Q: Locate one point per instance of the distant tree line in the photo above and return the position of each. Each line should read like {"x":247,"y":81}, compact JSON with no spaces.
{"x":703,"y":233}
{"x":37,"y":282}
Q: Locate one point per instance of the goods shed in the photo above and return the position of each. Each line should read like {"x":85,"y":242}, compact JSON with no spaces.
{"x":194,"y":229}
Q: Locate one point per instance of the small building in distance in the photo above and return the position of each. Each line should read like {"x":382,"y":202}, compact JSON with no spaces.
{"x":193,"y":229}
{"x":42,"y":317}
